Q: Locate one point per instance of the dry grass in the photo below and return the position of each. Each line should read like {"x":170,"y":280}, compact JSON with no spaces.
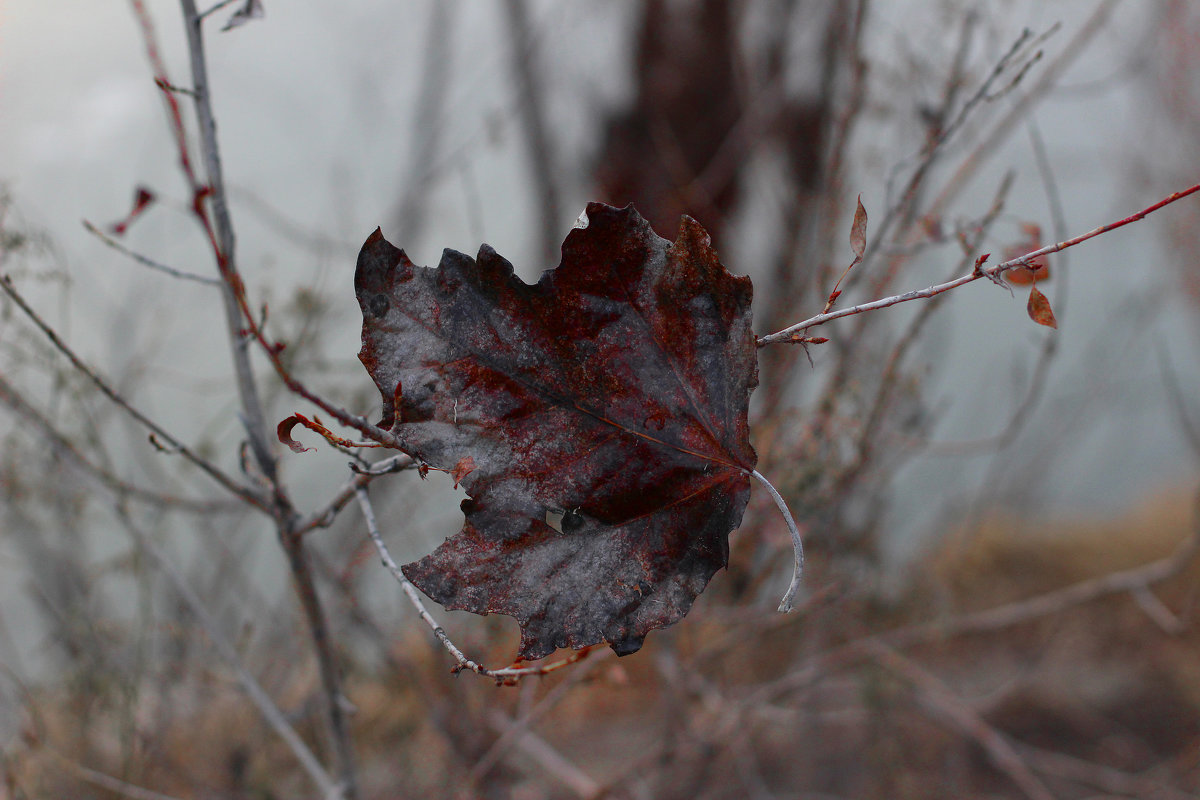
{"x":1097,"y":698}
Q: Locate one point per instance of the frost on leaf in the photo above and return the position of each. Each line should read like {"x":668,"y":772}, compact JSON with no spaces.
{"x":612,"y":393}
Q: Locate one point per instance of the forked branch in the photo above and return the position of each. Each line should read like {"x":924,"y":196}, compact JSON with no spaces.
{"x":795,"y":333}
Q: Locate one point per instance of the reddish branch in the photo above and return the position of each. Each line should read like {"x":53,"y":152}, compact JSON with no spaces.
{"x":795,"y":333}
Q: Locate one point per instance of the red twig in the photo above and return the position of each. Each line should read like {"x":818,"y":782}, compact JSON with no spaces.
{"x":795,"y":332}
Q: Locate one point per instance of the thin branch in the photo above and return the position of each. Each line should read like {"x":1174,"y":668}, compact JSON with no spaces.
{"x":903,"y":209}
{"x":60,"y":441}
{"x":1037,"y":384}
{"x":550,"y":760}
{"x":147,"y":262}
{"x":942,"y":701}
{"x":218,"y":229}
{"x":507,"y":675}
{"x":993,"y":619}
{"x":208,"y":467}
{"x":216,"y":8}
{"x":337,"y":726}
{"x":363,"y":477}
{"x":795,"y":332}
{"x":866,"y":440}
{"x":516,"y":729}
{"x":1157,"y":611}
{"x":222,"y":237}
{"x":1100,"y":776}
{"x":266,"y":706}
{"x":1055,"y":602}
{"x":1019,"y":112}
{"x":109,"y":783}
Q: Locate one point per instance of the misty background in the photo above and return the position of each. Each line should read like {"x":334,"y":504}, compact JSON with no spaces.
{"x":337,"y":118}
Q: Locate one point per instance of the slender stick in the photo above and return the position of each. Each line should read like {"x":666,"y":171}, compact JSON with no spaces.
{"x":942,"y":701}
{"x":148,"y":262}
{"x":252,"y":410}
{"x":266,"y":706}
{"x":244,"y":492}
{"x":120,"y":488}
{"x":109,"y":783}
{"x":505,"y":675}
{"x":218,"y":228}
{"x":795,"y":332}
{"x":789,"y":597}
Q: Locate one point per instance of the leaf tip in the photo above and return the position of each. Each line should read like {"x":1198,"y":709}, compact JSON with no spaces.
{"x":858,"y":230}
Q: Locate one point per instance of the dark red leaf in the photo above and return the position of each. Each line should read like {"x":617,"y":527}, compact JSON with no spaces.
{"x":611,"y":395}
{"x":284,"y":431}
{"x":142,"y":199}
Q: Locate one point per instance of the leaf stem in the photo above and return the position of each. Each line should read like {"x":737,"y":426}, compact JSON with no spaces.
{"x":789,"y":597}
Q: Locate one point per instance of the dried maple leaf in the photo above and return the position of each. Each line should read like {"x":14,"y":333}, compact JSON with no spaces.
{"x":603,"y":410}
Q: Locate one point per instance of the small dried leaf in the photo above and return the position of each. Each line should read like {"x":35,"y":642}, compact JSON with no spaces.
{"x":858,"y":230}
{"x":284,"y":431}
{"x":462,"y":469}
{"x":251,"y":9}
{"x":1039,"y":309}
{"x":142,"y":199}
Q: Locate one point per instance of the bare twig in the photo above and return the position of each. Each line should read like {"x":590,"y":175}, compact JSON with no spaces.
{"x":1120,"y":582}
{"x":947,"y":705}
{"x":903,"y":209}
{"x":148,"y":262}
{"x":550,"y":759}
{"x":244,"y":492}
{"x":1022,"y":413}
{"x":216,"y":8}
{"x":109,"y":783}
{"x":266,"y":706}
{"x":1000,"y":131}
{"x":325,"y":516}
{"x":795,"y":332}
{"x":222,"y":238}
{"x":507,"y":674}
{"x":994,"y":619}
{"x":1157,"y":611}
{"x":867,"y":437}
{"x":218,"y":229}
{"x":1100,"y":776}
{"x":11,"y":397}
{"x":515,"y":729}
